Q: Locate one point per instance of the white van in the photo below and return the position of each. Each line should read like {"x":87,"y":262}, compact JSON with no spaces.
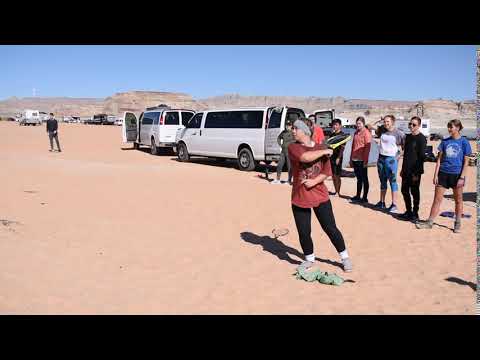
{"x":246,"y":134}
{"x":324,"y":117}
{"x":402,"y":124}
{"x":154,"y":128}
{"x":30,"y":117}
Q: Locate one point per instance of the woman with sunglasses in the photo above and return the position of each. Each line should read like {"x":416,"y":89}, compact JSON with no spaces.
{"x":452,"y":164}
{"x":412,"y":168}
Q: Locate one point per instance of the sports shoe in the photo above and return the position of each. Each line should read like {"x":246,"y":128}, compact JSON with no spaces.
{"x":380,"y":205}
{"x":407,"y":215}
{"x":364,"y":201}
{"x":424,"y":224}
{"x":354,"y":199}
{"x":415,"y":216}
{"x":393,"y":209}
{"x":347,"y":265}
{"x":456,"y":227}
{"x":305,"y":265}
{"x":276,"y":182}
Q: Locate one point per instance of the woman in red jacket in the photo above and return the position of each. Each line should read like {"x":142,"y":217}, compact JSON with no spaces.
{"x":359,"y":159}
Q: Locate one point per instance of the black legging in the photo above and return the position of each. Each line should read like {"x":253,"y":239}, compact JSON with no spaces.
{"x":361,"y":174}
{"x":410,"y":186}
{"x":326,"y":219}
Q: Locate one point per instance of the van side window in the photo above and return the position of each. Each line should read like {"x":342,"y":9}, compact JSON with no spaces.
{"x":186,"y":116}
{"x":147,"y":119}
{"x":246,"y":119}
{"x":216,"y":120}
{"x":156,"y":116}
{"x":172,"y":118}
{"x":195,"y":121}
{"x":275,"y":119}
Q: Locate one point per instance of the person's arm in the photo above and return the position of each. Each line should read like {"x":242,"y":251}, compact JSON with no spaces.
{"x":467,"y":151}
{"x":420,"y":156}
{"x":309,"y":156}
{"x":366,"y":148}
{"x":279,"y":139}
{"x":437,"y":168}
{"x":309,"y":183}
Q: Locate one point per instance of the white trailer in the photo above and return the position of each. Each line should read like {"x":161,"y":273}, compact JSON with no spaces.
{"x":31,"y":117}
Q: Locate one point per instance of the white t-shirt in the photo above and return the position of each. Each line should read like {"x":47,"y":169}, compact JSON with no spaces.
{"x":390,"y":142}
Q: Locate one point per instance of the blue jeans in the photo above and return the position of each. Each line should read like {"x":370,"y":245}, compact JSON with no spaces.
{"x":387,"y":172}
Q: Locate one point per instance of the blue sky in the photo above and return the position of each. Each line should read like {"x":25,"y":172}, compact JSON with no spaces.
{"x":365,"y":72}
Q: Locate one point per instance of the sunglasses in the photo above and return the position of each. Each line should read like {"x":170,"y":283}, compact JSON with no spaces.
{"x":412,"y":124}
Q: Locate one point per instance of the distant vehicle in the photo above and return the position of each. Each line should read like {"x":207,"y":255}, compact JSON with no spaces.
{"x":30,"y":117}
{"x":98,"y":119}
{"x":402,"y":124}
{"x":246,"y":134}
{"x":324,"y":117}
{"x":119,"y":122}
{"x":44,"y":116}
{"x":156,"y":127}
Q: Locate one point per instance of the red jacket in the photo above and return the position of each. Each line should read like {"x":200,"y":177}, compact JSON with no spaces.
{"x":318,"y":135}
{"x":361,"y":145}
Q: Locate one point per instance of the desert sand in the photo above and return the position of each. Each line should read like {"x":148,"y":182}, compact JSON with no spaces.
{"x":98,"y":229}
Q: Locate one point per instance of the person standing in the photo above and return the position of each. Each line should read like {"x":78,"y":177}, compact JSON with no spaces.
{"x":52,"y":130}
{"x":452,"y":164}
{"x":362,"y":140}
{"x":311,"y":166}
{"x":337,"y":157}
{"x":284,"y":139}
{"x":318,"y":135}
{"x":412,"y":168}
{"x":391,"y":144}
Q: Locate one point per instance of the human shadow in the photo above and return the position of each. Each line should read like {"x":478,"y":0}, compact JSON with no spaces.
{"x":458,"y":281}
{"x":467,"y":196}
{"x":280,"y":250}
{"x":225,"y":163}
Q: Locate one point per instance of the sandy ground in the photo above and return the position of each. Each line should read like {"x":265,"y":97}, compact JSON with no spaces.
{"x":101,"y":230}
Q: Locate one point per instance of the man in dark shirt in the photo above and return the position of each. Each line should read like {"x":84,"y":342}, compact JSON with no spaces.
{"x":52,"y":130}
{"x":412,"y":168}
{"x":337,"y":157}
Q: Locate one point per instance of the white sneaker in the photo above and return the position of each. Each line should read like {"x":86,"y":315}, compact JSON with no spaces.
{"x":276,"y":182}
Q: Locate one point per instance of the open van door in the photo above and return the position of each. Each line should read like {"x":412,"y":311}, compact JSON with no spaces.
{"x":324,"y":118}
{"x":129,"y":127}
{"x":275,"y":125}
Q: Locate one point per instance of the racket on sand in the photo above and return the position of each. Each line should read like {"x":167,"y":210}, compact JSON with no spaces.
{"x":280,"y":232}
{"x":337,"y":140}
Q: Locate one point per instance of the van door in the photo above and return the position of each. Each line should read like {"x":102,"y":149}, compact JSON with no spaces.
{"x":129,"y":127}
{"x":191,"y":134}
{"x":169,"y":124}
{"x":324,"y":118}
{"x":146,"y":124}
{"x":275,"y":125}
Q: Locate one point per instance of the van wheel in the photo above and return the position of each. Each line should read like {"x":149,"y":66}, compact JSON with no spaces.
{"x":153,"y":148}
{"x":245,"y":160}
{"x":182,"y":152}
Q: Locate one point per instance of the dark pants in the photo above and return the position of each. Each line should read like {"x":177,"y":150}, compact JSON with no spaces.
{"x":413,"y":187}
{"x":52,"y":136}
{"x":361,"y":174}
{"x":284,"y":158}
{"x":326,"y":219}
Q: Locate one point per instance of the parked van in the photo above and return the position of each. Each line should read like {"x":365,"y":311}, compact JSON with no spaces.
{"x":155,"y":127}
{"x":246,"y":134}
{"x":324,"y":117}
{"x":402,"y":124}
{"x":30,"y":117}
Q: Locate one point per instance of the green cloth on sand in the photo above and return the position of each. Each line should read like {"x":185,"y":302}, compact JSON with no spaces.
{"x":314,"y":274}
